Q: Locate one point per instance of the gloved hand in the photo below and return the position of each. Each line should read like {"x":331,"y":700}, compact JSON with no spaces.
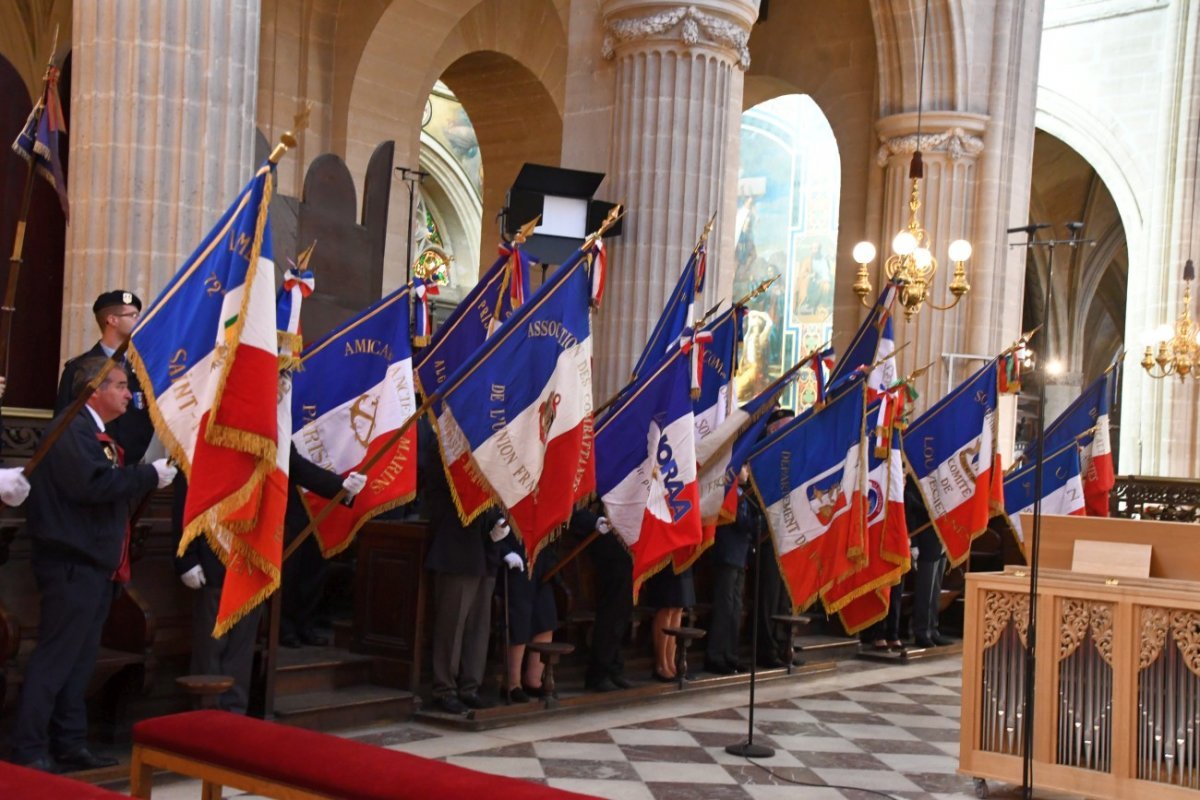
{"x":603,"y":525}
{"x":914,"y":551}
{"x":14,"y":488}
{"x":166,"y":472}
{"x":194,"y":577}
{"x":3,"y":385}
{"x":514,"y":561}
{"x":500,"y":530}
{"x":355,"y":482}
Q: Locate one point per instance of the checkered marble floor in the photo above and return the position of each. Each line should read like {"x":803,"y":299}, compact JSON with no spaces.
{"x":892,"y":729}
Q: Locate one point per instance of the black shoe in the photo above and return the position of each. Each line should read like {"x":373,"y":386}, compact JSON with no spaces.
{"x":656,"y":675}
{"x":533,"y":691}
{"x":43,"y":764}
{"x":83,"y":759}
{"x":518,"y":695}
{"x":771,"y":662}
{"x":314,"y":638}
{"x":941,"y":641}
{"x":718,"y":669}
{"x":475,"y":701}
{"x":605,"y":684}
{"x":450,"y":704}
{"x":291,"y":640}
{"x":924,"y":641}
{"x":620,"y":681}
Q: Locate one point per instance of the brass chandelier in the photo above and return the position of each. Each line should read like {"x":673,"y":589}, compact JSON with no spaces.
{"x":1177,"y":353}
{"x":912,"y":264}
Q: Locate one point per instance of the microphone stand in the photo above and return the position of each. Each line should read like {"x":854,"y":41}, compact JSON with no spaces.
{"x":1035,"y":541}
{"x":748,"y":749}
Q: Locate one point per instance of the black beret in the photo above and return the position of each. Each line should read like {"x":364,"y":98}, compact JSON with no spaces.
{"x":117,"y":297}
{"x":780,"y":413}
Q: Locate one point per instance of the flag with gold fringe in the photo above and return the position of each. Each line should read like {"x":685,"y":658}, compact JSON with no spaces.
{"x":207,"y":353}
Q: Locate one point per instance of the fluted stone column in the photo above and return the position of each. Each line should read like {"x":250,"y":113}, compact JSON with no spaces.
{"x":951,"y":144}
{"x":678,"y":101}
{"x":162,"y":138}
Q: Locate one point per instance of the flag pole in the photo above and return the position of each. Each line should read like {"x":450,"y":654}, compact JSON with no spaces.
{"x":9,"y":309}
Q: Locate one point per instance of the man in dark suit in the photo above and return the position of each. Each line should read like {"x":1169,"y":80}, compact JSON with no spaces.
{"x":78,"y":519}
{"x":464,"y":561}
{"x":117,"y":314}
{"x":731,"y":550}
{"x":613,"y":571}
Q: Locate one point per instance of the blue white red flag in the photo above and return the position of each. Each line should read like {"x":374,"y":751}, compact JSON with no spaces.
{"x":862,"y":597}
{"x":809,"y":476}
{"x":716,"y":372}
{"x":521,"y":406}
{"x":646,"y":468}
{"x":951,"y":450}
{"x":1062,"y":487}
{"x":722,"y":454}
{"x":422,"y":290}
{"x":678,"y":316}
{"x":1085,"y":422}
{"x":354,"y":392}
{"x":872,"y":343}
{"x":207,"y":353}
{"x":821,"y":365}
{"x":39,"y":141}
{"x":473,"y":320}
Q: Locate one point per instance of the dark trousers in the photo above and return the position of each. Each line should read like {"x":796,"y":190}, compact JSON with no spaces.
{"x":461,"y":626}
{"x":889,"y":627}
{"x":232,"y":654}
{"x":926,"y":597}
{"x":303,"y":588}
{"x":728,"y":583}
{"x":614,"y":606}
{"x":772,"y":642}
{"x":52,"y":712}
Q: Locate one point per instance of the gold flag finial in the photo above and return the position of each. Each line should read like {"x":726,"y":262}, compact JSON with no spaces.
{"x":707,"y":229}
{"x":526,"y":230}
{"x":287,"y":139}
{"x":614,"y":214}
{"x":301,"y":262}
{"x":757,"y":290}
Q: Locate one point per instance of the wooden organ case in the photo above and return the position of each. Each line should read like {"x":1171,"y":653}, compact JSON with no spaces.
{"x":1117,"y":672}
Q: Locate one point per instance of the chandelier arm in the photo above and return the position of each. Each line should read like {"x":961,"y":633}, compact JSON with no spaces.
{"x":936,"y":307}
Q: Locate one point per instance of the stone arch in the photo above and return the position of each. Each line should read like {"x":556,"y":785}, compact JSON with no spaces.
{"x":505,"y":59}
{"x":899,"y":28}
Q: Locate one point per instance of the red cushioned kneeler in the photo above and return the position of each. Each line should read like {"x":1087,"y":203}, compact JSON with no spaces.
{"x":325,"y":764}
{"x":19,"y":783}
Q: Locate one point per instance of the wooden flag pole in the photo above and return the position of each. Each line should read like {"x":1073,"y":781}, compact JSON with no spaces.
{"x":9,"y":309}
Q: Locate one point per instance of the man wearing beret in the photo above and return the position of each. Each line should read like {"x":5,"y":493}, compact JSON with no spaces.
{"x":117,"y":314}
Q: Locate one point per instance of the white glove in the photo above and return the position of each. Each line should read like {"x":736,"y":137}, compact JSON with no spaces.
{"x":194,"y":577}
{"x":166,"y":472}
{"x":14,"y":488}
{"x":603,"y":525}
{"x":3,"y":385}
{"x":914,"y":552}
{"x":355,"y":482}
{"x":499,"y":530}
{"x":514,"y":561}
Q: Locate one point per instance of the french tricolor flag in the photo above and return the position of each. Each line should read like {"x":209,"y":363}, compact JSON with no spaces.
{"x":521,"y":407}
{"x":1085,"y":422}
{"x":861,"y":598}
{"x":340,"y":424}
{"x":951,"y":450}
{"x":489,"y":303}
{"x":809,"y":477}
{"x":646,"y":467}
{"x":1062,"y":487}
{"x":207,"y":353}
{"x":677,"y":316}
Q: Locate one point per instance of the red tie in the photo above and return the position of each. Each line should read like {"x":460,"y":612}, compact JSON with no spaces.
{"x":116,"y":454}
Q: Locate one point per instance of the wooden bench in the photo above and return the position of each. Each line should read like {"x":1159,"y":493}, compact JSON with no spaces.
{"x":19,"y":783}
{"x":273,"y":760}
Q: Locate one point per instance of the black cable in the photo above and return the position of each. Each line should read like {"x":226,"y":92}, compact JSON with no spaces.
{"x":785,"y":779}
{"x":921,"y":77}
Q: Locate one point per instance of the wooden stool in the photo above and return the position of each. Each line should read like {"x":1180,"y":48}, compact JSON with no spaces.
{"x":550,"y":653}
{"x":205,"y":689}
{"x":683,"y":637}
{"x":793,"y":622}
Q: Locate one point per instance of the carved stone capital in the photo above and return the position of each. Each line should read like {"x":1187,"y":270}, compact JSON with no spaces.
{"x":689,"y":24}
{"x":955,"y":142}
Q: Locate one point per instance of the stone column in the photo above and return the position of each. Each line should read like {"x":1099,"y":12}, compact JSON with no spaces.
{"x":678,"y":97}
{"x":951,"y":144}
{"x":162,"y":138}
